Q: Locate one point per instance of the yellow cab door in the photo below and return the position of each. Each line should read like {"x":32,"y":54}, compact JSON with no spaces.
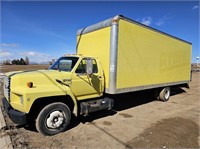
{"x":86,"y":86}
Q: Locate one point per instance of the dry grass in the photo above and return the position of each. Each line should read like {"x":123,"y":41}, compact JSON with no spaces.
{"x":7,"y":68}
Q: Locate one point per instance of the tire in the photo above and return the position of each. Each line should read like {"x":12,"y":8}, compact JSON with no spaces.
{"x":165,"y":94}
{"x":53,"y":119}
{"x":156,"y":94}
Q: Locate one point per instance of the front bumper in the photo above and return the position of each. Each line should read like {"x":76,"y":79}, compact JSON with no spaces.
{"x":16,"y":116}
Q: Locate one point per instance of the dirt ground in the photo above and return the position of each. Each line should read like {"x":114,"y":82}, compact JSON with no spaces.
{"x":136,"y":121}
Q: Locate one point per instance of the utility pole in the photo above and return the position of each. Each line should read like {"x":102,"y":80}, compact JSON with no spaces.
{"x":197,"y":58}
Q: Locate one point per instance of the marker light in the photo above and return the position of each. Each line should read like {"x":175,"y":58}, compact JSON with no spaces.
{"x":114,"y":21}
{"x":30,"y":84}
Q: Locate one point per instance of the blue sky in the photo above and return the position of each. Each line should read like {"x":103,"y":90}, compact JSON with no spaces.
{"x":46,"y":30}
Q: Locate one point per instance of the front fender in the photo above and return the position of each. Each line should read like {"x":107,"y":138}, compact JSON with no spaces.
{"x":32,"y":94}
{"x":75,"y":109}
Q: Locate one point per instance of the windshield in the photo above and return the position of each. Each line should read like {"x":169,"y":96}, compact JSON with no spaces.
{"x":64,"y":64}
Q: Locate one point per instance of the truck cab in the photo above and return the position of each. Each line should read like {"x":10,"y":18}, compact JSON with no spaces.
{"x":82,"y":84}
{"x":53,"y":94}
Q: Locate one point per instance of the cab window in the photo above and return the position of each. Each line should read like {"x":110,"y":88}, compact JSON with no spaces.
{"x":82,"y":67}
{"x":64,"y":64}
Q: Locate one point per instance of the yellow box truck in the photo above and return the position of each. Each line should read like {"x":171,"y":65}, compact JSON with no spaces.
{"x":118,"y":55}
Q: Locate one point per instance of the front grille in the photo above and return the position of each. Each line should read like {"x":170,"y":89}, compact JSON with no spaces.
{"x":7,"y":87}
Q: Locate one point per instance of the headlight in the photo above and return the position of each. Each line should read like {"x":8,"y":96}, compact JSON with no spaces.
{"x":7,"y":88}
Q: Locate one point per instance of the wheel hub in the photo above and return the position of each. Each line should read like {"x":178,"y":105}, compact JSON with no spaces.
{"x":167,"y":94}
{"x":55,"y":119}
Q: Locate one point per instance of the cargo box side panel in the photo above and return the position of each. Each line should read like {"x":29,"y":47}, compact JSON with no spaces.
{"x":147,"y":57}
{"x":97,"y":44}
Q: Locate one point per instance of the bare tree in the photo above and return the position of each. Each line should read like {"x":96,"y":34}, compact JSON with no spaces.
{"x":7,"y":62}
{"x":27,"y":60}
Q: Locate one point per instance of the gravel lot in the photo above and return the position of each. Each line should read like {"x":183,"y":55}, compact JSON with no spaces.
{"x":136,"y":121}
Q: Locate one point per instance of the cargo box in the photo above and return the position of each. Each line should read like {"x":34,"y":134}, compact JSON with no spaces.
{"x":135,"y":56}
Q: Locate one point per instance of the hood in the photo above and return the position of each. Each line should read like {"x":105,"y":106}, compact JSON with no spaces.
{"x":37,"y":77}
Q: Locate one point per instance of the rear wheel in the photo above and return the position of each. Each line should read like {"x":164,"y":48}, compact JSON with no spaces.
{"x":53,"y":119}
{"x":164,"y":94}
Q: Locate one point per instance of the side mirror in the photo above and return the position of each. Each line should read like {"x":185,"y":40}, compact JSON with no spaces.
{"x":89,"y":66}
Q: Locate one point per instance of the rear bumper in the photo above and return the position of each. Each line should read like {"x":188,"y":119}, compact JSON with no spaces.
{"x":16,"y":116}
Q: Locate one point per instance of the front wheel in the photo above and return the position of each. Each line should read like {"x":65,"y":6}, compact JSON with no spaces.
{"x":53,"y":119}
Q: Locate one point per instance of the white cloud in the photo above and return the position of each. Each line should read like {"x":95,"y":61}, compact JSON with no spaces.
{"x":5,"y":53}
{"x":36,"y":57}
{"x":162,"y":21}
{"x":9,"y":44}
{"x":147,"y":21}
{"x":195,"y":7}
{"x":30,"y":53}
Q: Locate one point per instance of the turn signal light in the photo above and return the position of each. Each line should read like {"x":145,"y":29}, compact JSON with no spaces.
{"x":30,"y":84}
